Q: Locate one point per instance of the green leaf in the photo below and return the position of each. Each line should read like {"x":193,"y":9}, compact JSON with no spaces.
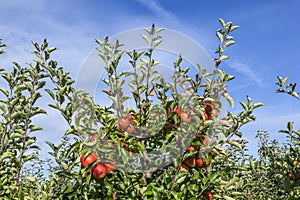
{"x":220,"y":36}
{"x":146,"y":39}
{"x":290,"y":126}
{"x":156,"y":43}
{"x":295,"y":94}
{"x":235,"y":143}
{"x":228,"y":198}
{"x":256,"y":105}
{"x":55,"y":106}
{"x":38,"y":111}
{"x":229,"y":99}
{"x":234,"y":28}
{"x":252,"y":164}
{"x":64,"y":165}
{"x":30,"y":179}
{"x":229,"y":43}
{"x":28,"y":158}
{"x":6,"y":155}
{"x":180,"y":180}
{"x":35,"y":128}
{"x":15,"y":135}
{"x":244,"y":106}
{"x":4,"y":91}
{"x":224,"y":57}
{"x":29,"y":141}
{"x":35,"y":96}
{"x":3,"y":108}
{"x":222,"y":22}
{"x":50,"y":93}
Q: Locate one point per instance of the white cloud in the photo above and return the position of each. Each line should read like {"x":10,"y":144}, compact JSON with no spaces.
{"x":248,"y":71}
{"x":240,"y":87}
{"x":157,"y":9}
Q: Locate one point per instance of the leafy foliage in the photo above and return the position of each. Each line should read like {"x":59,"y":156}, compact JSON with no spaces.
{"x":211,"y":163}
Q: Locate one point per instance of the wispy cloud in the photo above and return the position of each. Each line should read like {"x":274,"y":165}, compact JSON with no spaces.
{"x":248,"y":71}
{"x":240,"y":87}
{"x":157,"y":9}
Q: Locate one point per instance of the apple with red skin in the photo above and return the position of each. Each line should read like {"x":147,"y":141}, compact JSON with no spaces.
{"x":208,"y":106}
{"x":209,"y":195}
{"x":99,"y":171}
{"x":215,"y":112}
{"x":207,"y":116}
{"x":93,"y":138}
{"x":212,"y":153}
{"x":191,"y":162}
{"x":200,"y":163}
{"x":111,"y":144}
{"x":123,"y":144}
{"x":183,"y":168}
{"x":119,"y":128}
{"x":192,"y":148}
{"x":169,"y":111}
{"x":130,"y":117}
{"x":186,"y":117}
{"x":110,"y":166}
{"x":177,"y":110}
{"x":210,"y":110}
{"x":88,"y":160}
{"x":130,"y":129}
{"x":204,"y":140}
{"x":123,"y":123}
{"x":290,"y":175}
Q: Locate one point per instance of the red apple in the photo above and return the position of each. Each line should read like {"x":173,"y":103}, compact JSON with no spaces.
{"x":130,"y":129}
{"x":119,"y":128}
{"x":183,"y":168}
{"x":191,"y":162}
{"x":123,"y":144}
{"x":212,"y":153}
{"x":110,"y":166}
{"x":207,"y":116}
{"x":111,"y":144}
{"x":290,"y":176}
{"x":192,"y":148}
{"x":178,"y":110}
{"x":130,"y":117}
{"x":185,"y":117}
{"x":215,"y":112}
{"x":123,"y":123}
{"x":114,"y":195}
{"x":175,"y":109}
{"x":93,"y":138}
{"x":86,"y":161}
{"x":201,"y":163}
{"x":209,"y":195}
{"x":204,"y":140}
{"x":99,"y":171}
{"x":208,"y":106}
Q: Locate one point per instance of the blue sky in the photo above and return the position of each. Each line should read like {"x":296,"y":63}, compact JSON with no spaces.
{"x":267,"y":43}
